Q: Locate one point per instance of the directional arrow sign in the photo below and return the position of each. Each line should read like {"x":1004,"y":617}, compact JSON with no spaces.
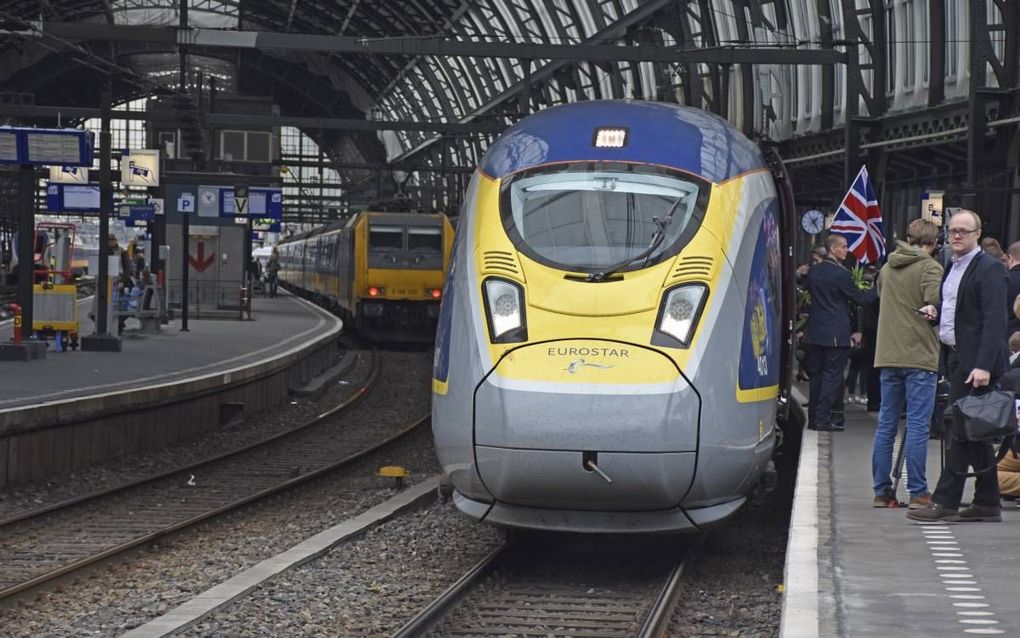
{"x":201,"y":263}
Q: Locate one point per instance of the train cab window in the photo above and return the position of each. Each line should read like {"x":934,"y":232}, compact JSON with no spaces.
{"x":425,"y":240}
{"x":391,"y":237}
{"x":590,"y":216}
{"x":425,"y":247}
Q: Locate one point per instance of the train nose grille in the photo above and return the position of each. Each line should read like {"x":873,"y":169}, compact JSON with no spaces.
{"x":500,"y":262}
{"x":692,"y":268}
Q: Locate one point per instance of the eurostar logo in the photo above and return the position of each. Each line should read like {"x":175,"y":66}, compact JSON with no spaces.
{"x":577,"y":364}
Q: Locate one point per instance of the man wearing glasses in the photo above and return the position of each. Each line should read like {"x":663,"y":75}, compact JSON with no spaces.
{"x":972,"y":329}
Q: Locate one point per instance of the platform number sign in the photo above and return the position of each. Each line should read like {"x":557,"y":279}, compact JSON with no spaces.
{"x":241,"y":200}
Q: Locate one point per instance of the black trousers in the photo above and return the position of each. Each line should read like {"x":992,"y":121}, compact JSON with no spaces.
{"x":964,"y":454}
{"x":825,"y":365}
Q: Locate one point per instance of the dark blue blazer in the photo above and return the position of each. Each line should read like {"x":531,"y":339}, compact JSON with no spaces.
{"x":1012,"y":323}
{"x":980,"y":324}
{"x":832,"y":291}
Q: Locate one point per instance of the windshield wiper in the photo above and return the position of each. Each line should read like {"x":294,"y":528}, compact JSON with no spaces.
{"x":657,"y":239}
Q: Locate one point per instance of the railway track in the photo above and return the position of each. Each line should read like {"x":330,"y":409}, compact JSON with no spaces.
{"x":39,"y":547}
{"x":561,"y":586}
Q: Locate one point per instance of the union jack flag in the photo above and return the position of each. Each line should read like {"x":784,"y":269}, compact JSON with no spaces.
{"x":860,"y":221}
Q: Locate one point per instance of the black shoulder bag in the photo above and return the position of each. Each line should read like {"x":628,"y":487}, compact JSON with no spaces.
{"x":986,"y":415}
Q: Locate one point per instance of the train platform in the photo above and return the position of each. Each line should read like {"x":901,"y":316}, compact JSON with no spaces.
{"x":210,"y":346}
{"x":76,"y":408}
{"x":854,"y":571}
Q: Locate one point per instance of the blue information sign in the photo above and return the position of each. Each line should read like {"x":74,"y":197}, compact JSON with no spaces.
{"x":138,"y":212}
{"x":262,"y":202}
{"x":72,"y":198}
{"x":46,"y":147}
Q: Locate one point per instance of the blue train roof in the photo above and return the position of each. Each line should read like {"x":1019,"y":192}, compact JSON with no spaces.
{"x":658,"y":133}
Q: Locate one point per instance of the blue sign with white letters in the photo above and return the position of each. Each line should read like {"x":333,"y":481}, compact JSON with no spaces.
{"x":46,"y":147}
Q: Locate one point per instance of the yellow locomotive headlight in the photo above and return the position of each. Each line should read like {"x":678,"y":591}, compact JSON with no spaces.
{"x":680,"y":311}
{"x":504,"y":305}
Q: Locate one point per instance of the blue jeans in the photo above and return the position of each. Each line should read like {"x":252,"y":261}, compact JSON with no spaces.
{"x":916,"y":388}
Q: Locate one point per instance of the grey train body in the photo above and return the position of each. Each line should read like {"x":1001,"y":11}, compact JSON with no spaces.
{"x":673,"y":456}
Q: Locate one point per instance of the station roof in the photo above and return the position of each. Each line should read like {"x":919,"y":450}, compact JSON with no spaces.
{"x":403,"y":88}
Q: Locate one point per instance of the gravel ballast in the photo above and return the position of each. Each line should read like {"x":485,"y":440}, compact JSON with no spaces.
{"x":118,"y":598}
{"x":733,"y":587}
{"x":367,"y":587}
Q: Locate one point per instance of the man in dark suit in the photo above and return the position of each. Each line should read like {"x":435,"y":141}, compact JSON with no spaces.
{"x":972,"y":329}
{"x":1013,"y":263}
{"x":829,"y":335}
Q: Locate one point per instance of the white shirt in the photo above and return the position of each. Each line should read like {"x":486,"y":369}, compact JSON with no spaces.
{"x":950,"y":288}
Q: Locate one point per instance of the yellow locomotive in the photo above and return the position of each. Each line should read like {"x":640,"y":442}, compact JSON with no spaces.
{"x":382,"y":272}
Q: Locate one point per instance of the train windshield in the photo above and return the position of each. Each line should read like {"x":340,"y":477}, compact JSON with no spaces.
{"x":425,"y":240}
{"x":386,"y":237}
{"x":593,"y":216}
{"x":410,"y":242}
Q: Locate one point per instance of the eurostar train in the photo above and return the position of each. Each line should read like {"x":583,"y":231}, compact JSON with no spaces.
{"x":380,"y":271}
{"x":613,"y":343}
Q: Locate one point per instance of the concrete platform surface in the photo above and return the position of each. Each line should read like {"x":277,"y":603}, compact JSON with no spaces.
{"x":211,"y":345}
{"x":872,"y":572}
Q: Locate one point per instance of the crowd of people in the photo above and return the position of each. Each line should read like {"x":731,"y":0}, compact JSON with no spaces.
{"x":908,"y":329}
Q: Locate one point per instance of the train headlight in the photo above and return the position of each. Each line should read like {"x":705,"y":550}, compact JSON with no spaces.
{"x":504,"y":305}
{"x":681,"y":310}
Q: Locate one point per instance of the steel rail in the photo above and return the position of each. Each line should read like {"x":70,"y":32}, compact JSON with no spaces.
{"x":434,"y":613}
{"x":439,"y":611}
{"x":75,"y":566}
{"x":70,"y":568}
{"x":343,"y":405}
{"x":662,"y":611}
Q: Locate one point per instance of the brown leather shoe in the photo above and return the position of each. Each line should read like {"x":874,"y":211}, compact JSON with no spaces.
{"x":981,"y":513}
{"x":934,"y":513}
{"x":920,"y":502}
{"x":883,"y":500}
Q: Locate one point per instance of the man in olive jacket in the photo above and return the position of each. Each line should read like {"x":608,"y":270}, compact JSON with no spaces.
{"x":908,"y":354}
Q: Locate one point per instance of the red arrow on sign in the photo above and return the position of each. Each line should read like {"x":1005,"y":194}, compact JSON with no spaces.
{"x":201,"y":263}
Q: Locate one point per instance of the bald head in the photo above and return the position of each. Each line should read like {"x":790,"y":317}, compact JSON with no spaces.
{"x":834,"y":241}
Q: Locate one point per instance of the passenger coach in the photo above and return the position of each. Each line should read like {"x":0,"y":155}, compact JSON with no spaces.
{"x":383,"y":272}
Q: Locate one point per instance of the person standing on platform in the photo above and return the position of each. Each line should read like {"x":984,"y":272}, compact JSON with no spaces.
{"x":272,"y":272}
{"x":907,"y":353}
{"x":828,"y":334}
{"x":869,"y":339}
{"x":1013,"y":264}
{"x":972,"y":328}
